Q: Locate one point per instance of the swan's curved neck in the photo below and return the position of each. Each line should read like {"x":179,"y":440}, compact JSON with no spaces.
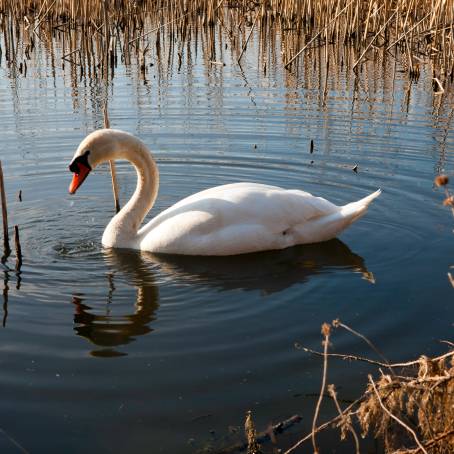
{"x":122,"y":229}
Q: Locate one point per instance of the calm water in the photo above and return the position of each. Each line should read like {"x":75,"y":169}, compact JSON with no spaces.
{"x":120,"y":352}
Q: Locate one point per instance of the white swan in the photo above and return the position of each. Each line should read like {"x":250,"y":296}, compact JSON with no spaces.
{"x":225,"y":220}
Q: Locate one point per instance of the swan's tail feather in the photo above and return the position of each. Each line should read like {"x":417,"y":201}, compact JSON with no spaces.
{"x":367,"y":200}
{"x":356,"y":209}
{"x":329,"y":226}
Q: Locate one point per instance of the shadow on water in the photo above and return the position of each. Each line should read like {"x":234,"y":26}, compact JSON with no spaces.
{"x":268,"y":272}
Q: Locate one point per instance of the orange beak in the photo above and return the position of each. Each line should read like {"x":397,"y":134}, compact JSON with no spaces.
{"x":78,"y":178}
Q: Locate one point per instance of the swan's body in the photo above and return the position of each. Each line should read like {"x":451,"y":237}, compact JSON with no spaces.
{"x":225,"y":220}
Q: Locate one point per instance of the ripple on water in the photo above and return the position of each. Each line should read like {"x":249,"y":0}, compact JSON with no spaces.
{"x":161,"y":339}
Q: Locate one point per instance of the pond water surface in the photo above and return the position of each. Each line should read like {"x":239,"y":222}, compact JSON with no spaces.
{"x":117,"y":351}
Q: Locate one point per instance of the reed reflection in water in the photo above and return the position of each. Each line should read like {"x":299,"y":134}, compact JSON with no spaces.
{"x":268,"y":272}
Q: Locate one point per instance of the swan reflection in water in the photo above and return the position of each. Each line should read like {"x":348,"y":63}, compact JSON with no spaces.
{"x":268,"y":272}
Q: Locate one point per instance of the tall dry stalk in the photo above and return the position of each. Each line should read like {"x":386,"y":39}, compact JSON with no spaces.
{"x":415,"y":30}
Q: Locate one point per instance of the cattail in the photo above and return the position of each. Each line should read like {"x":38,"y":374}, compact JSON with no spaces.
{"x":326,"y":329}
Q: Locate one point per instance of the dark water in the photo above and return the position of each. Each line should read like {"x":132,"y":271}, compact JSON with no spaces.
{"x":119,"y":352}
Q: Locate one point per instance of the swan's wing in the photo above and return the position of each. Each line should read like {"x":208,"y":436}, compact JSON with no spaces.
{"x":243,"y":212}
{"x":241,"y":203}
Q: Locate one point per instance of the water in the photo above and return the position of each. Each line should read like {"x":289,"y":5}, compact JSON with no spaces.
{"x":117,"y":351}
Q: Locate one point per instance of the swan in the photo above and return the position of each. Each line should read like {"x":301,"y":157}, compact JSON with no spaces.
{"x":224,"y":220}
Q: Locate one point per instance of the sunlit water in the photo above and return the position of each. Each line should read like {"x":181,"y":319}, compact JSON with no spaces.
{"x":111,"y":351}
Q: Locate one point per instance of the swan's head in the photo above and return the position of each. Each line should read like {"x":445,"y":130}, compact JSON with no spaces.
{"x":97,"y":147}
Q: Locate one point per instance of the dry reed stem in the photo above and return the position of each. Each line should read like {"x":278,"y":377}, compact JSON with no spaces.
{"x":327,"y":424}
{"x":337,"y":323}
{"x":287,"y":65}
{"x":113,"y":169}
{"x":421,"y":31}
{"x":373,"y":39}
{"x":347,"y":357}
{"x":440,"y":90}
{"x":433,"y":441}
{"x":451,"y":279}
{"x":415,"y":362}
{"x":326,"y":331}
{"x":248,"y":38}
{"x":6,"y":247}
{"x":345,"y":421}
{"x":406,"y":32}
{"x":14,"y":442}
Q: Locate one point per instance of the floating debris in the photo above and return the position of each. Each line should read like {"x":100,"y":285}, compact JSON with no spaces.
{"x":441,"y":180}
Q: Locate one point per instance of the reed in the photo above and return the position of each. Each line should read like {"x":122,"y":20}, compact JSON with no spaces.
{"x":113,"y":168}
{"x":96,"y":34}
{"x":6,"y":247}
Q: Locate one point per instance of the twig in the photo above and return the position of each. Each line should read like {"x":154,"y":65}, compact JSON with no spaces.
{"x":248,"y":37}
{"x":451,"y":279}
{"x":333,"y":394}
{"x":6,"y":247}
{"x":377,"y":363}
{"x":65,"y":57}
{"x":441,"y":89}
{"x":163,"y":25}
{"x":337,"y":323}
{"x":347,"y":357}
{"x":327,"y":423}
{"x":408,"y":31}
{"x":14,"y":442}
{"x":413,"y":433}
{"x":317,"y":35}
{"x":430,"y":443}
{"x":44,"y":16}
{"x":326,"y":331}
{"x":451,"y":344}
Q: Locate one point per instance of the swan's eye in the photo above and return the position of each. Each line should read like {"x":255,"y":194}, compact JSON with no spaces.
{"x":74,"y":166}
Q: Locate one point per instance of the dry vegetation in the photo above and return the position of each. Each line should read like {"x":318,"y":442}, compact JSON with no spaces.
{"x":408,"y":406}
{"x":415,"y":31}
